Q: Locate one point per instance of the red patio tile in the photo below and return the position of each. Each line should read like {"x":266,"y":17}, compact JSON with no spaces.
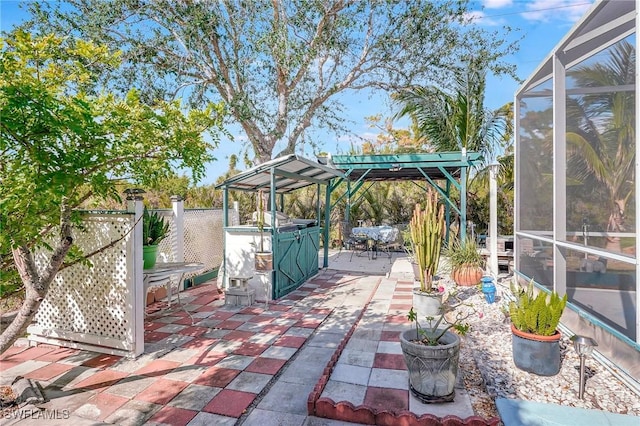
{"x":206,"y":308}
{"x":275,"y":329}
{"x":230,"y":403}
{"x":230,"y":325}
{"x":173,"y":416}
{"x":251,"y":349}
{"x":101,"y":380}
{"x":217,"y":377}
{"x":290,"y":341}
{"x":265,"y":365}
{"x":403,"y":296}
{"x":102,"y":361}
{"x":389,"y":361}
{"x":155,"y":336}
{"x":222,"y":315}
{"x":58,"y":354}
{"x":34,"y":352}
{"x":5,"y":365}
{"x":239,"y":335}
{"x":183,"y":321}
{"x":252,"y":310}
{"x":204,"y":300}
{"x":157,"y":367}
{"x":386,"y":399}
{"x":200,"y":343}
{"x":400,"y":306}
{"x":106,"y":404}
{"x":162,"y":391}
{"x":152,"y":325}
{"x":308,"y":323}
{"x":396,"y":319}
{"x":390,"y":336}
{"x":193,"y":331}
{"x":207,"y":358}
{"x":11,"y":351}
{"x":261,"y":319}
{"x":49,"y":371}
{"x":277,"y":307}
{"x":323,"y":311}
{"x":292,"y":315}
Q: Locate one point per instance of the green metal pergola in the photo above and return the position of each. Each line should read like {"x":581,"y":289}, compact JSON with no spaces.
{"x":448,"y":168}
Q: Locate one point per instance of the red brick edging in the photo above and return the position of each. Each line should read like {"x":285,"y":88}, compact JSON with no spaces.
{"x":346,"y":411}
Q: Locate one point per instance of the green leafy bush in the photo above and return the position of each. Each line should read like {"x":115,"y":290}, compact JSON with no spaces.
{"x":534,"y":314}
{"x":154,"y":228}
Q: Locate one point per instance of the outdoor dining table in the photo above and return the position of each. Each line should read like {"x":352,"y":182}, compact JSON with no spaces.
{"x":375,"y":235}
{"x":162,"y":274}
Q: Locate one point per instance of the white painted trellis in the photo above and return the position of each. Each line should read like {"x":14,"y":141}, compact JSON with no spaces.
{"x":101,"y":308}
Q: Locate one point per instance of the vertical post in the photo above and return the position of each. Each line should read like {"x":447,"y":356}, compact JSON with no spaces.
{"x":327,"y":222}
{"x":134,"y":255}
{"x":177,"y":245}
{"x":225,"y":224}
{"x":463,"y":196}
{"x":447,"y":213}
{"x":493,"y":219}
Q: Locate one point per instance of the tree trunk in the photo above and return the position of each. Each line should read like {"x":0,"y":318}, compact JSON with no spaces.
{"x":36,"y":285}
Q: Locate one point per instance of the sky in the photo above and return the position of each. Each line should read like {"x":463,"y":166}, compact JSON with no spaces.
{"x":541,"y":25}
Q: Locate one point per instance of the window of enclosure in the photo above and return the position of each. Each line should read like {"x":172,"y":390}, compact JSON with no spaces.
{"x":604,"y":288}
{"x":600,"y":161}
{"x":535,"y":260}
{"x":535,"y":158}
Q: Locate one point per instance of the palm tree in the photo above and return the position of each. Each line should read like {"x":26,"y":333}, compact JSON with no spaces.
{"x":601,"y":146}
{"x":452,"y":121}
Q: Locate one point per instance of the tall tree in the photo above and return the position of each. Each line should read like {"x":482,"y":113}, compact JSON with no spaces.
{"x":60,"y":145}
{"x":279,"y":65}
{"x":450,"y":120}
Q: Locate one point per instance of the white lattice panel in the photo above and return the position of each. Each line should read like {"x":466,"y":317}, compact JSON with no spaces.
{"x":203,"y":237}
{"x":165,"y":249}
{"x":93,"y":301}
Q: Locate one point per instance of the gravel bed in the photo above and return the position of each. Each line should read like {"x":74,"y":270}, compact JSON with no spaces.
{"x":489,"y":372}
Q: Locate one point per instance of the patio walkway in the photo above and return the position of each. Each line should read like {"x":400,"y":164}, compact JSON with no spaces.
{"x":334,"y":339}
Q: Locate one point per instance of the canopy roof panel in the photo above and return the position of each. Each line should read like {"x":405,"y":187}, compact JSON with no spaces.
{"x":607,"y":22}
{"x":291,"y":172}
{"x":404,"y":166}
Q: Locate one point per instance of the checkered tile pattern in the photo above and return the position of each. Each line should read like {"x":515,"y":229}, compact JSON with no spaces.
{"x":217,"y":366}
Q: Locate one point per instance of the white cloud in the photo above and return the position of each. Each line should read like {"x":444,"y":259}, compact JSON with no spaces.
{"x":497,"y":4}
{"x":559,"y":10}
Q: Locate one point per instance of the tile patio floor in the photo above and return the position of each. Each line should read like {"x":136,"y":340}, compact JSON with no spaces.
{"x":333,"y":339}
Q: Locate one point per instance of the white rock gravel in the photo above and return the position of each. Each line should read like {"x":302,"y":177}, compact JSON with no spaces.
{"x":489,"y":372}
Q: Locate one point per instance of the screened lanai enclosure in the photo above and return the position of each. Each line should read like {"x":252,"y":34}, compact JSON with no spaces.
{"x":576,"y":193}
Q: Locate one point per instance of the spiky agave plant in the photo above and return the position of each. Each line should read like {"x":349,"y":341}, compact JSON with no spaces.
{"x":533,"y":314}
{"x":427,"y":231}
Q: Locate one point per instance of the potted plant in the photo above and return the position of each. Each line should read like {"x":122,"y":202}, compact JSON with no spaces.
{"x":465,"y":261}
{"x":263,"y":259}
{"x":154,"y":230}
{"x":432,"y":353}
{"x":427,"y":230}
{"x":535,"y":337}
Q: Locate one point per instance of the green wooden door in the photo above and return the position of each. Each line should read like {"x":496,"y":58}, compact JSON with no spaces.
{"x":297,"y":259}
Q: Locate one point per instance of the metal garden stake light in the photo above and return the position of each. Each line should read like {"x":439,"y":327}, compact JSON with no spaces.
{"x":584,"y":347}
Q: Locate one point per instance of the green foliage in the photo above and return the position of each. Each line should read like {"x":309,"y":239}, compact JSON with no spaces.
{"x":438,"y":326}
{"x":154,"y":228}
{"x":62,"y":144}
{"x":427,"y":230}
{"x":534,"y":314}
{"x":462,"y":253}
{"x":279,"y":65}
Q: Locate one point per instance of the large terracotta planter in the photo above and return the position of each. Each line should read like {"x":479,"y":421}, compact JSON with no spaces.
{"x":467,"y":275}
{"x":535,"y":353}
{"x":432,"y":369}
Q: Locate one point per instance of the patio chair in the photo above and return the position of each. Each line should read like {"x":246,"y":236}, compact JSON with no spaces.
{"x":353,"y":242}
{"x":392,"y":245}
